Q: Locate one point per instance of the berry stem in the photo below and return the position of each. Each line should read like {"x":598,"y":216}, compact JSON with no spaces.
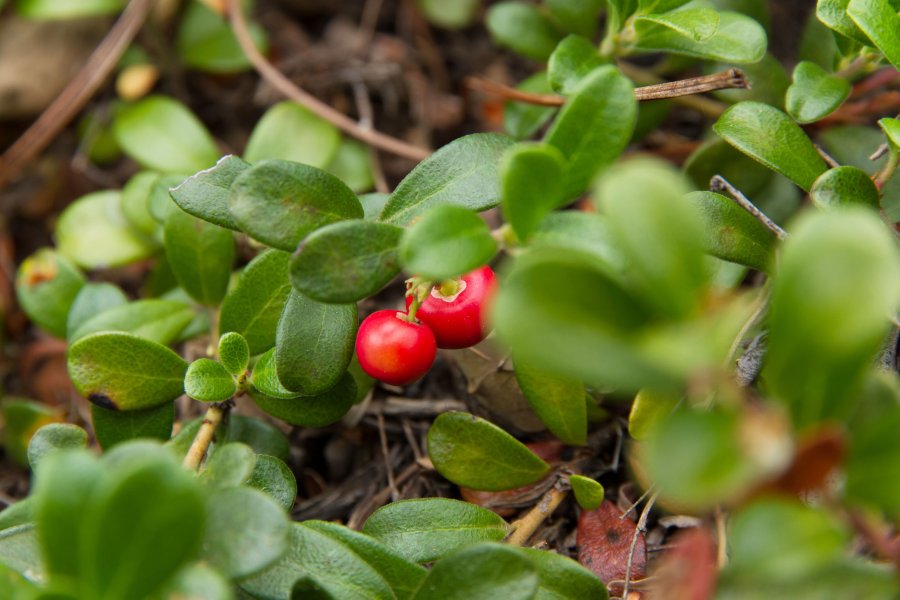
{"x":449,"y":287}
{"x":419,"y":290}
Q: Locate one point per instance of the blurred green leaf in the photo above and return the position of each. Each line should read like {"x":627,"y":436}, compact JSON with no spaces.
{"x":557,"y":401}
{"x":531,"y":185}
{"x":731,"y":233}
{"x":571,"y":61}
{"x":879,"y":21}
{"x":160,"y":204}
{"x":445,"y":242}
{"x":113,"y":427}
{"x":696,"y":24}
{"x":92,"y":300}
{"x":844,"y":186}
{"x":20,"y":553}
{"x":162,"y":134}
{"x":47,"y":285}
{"x":208,"y":381}
{"x":659,"y":6}
{"x":523,"y":28}
{"x":561,"y":578}
{"x":40,"y":10}
{"x":159,"y":321}
{"x":522,"y":120}
{"x":717,"y":157}
{"x":373,"y":204}
{"x":483,"y":571}
{"x":586,"y":232}
{"x":205,"y":41}
{"x":135,"y":201}
{"x":426,"y":529}
{"x":201,"y":255}
{"x":234,"y":353}
{"x":648,"y":411}
{"x":263,"y":437}
{"x":451,"y":14}
{"x":121,"y":371}
{"x":347,"y":261}
{"x":271,"y":476}
{"x":205,"y":194}
{"x":576,"y":16}
{"x":199,"y":582}
{"x":769,"y":82}
{"x":21,"y":419}
{"x":279,"y":203}
{"x":588,"y":492}
{"x":891,"y":129}
{"x":477,"y":454}
{"x":833,"y":13}
{"x":292,"y":132}
{"x":53,"y":437}
{"x":352,"y":164}
{"x":738,"y":39}
{"x":817,"y":42}
{"x":311,"y":411}
{"x":815,"y":93}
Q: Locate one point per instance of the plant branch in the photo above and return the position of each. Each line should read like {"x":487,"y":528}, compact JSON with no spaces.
{"x":214,"y":415}
{"x":719,"y":184}
{"x":707,"y":106}
{"x":524,"y":528}
{"x":290,"y":90}
{"x":639,"y":528}
{"x":76,"y":94}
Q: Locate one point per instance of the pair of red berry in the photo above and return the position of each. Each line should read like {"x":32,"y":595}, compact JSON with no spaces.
{"x":396,"y":350}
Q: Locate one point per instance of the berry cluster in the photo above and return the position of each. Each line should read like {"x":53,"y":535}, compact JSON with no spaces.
{"x":398,"y":348}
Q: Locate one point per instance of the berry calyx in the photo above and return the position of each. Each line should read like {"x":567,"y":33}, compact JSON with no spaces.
{"x":456,"y":310}
{"x":392,"y":349}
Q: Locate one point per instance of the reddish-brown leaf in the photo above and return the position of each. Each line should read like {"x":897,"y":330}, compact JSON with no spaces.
{"x":604,"y":540}
{"x":819,"y":454}
{"x":688,"y":570}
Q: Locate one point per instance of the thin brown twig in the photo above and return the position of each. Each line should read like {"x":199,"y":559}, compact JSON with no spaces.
{"x":720,"y":184}
{"x":290,"y":90}
{"x":367,"y":120}
{"x":204,"y":437}
{"x":76,"y":94}
{"x":639,"y":528}
{"x":524,"y":528}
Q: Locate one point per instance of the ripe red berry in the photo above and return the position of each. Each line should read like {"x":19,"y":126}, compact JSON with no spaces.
{"x":458,"y":319}
{"x":392,"y":349}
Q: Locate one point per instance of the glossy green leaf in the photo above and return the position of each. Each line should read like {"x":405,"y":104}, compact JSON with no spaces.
{"x":477,"y":454}
{"x":731,"y":233}
{"x":271,"y":476}
{"x":200,"y":254}
{"x":135,"y":201}
{"x":292,"y":132}
{"x":531,"y":185}
{"x":879,"y":20}
{"x":446,"y":242}
{"x":199,"y":582}
{"x":66,"y":9}
{"x":93,"y":233}
{"x":246,"y":531}
{"x":113,"y":427}
{"x":594,"y":126}
{"x":159,"y":321}
{"x":561,"y":578}
{"x":588,"y":492}
{"x":834,"y":339}
{"x":314,"y":344}
{"x":833,"y":13}
{"x":92,"y":300}
{"x":577,"y":16}
{"x":523,"y":28}
{"x":844,"y":186}
{"x":891,"y":129}
{"x":47,"y":285}
{"x":570,"y":62}
{"x":352,"y":164}
{"x":738,"y":39}
{"x":265,"y":378}
{"x":162,"y":134}
{"x":697,"y":24}
{"x":648,"y":411}
{"x":557,"y":401}
{"x":234,"y":353}
{"x":522,"y":120}
{"x":311,"y":411}
{"x":348,"y":261}
{"x":205,"y":194}
{"x":53,"y":437}
{"x":124,"y":372}
{"x":769,"y":136}
{"x":481,"y":572}
{"x":279,"y":203}
{"x":21,"y":419}
{"x":464,"y":172}
{"x":815,"y":93}
{"x":208,"y":381}
{"x":426,"y":529}
{"x":253,"y":307}
{"x":330,"y":565}
{"x":206,"y":42}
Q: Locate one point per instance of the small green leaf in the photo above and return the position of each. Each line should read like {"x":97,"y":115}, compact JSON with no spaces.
{"x":113,"y":427}
{"x":164,"y":135}
{"x":427,"y":529}
{"x":561,"y":578}
{"x":206,"y":42}
{"x":208,"y":381}
{"x":521,"y":119}
{"x":594,"y":126}
{"x":136,"y":202}
{"x":229,"y":465}
{"x":648,"y":411}
{"x":314,"y":344}
{"x":523,"y":28}
{"x":292,"y":132}
{"x":446,"y":242}
{"x":577,"y":16}
{"x":47,"y":285}
{"x":92,"y":300}
{"x":271,"y":476}
{"x":348,"y":261}
{"x":557,"y":401}
{"x":246,"y":531}
{"x":352,"y":164}
{"x":697,"y":24}
{"x":234,"y":353}
{"x":159,"y":321}
{"x":738,"y":39}
{"x":834,"y":14}
{"x":464,"y":172}
{"x":53,"y":437}
{"x":200,"y":254}
{"x":891,"y":129}
{"x":878,"y":19}
{"x":588,"y":492}
{"x":815,"y":93}
{"x":731,"y":233}
{"x":205,"y":194}
{"x":487,"y":570}
{"x":124,"y":372}
{"x":93,"y":233}
{"x":253,"y":307}
{"x":474,"y":453}
{"x":844,"y":186}
{"x":570,"y":62}
{"x":451,"y":15}
{"x":769,"y":136}
{"x":279,"y":203}
{"x":265,"y":379}
{"x":531,"y":184}
{"x":311,"y":411}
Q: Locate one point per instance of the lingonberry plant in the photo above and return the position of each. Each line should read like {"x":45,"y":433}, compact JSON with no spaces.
{"x":728,"y":331}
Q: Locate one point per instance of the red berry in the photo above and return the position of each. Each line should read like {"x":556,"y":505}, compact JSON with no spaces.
{"x":392,"y":349}
{"x":459,"y":320}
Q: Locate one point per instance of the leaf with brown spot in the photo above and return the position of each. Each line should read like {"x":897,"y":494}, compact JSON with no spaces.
{"x":688,"y":570}
{"x":604,"y":539}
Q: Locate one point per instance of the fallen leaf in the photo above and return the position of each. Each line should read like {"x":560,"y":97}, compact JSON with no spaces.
{"x":604,"y":541}
{"x":687,"y":571}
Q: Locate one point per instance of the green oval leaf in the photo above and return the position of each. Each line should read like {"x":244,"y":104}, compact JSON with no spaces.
{"x":649,"y":409}
{"x":738,"y":39}
{"x":21,"y":419}
{"x":254,"y":306}
{"x":200,"y":582}
{"x":208,"y":381}
{"x":522,"y":120}
{"x":279,"y":203}
{"x":113,"y":427}
{"x":815,"y":93}
{"x":482,"y":571}
{"x":447,"y":241}
{"x":531,"y":184}
{"x":136,"y":202}
{"x":311,"y":411}
{"x":588,"y":492}
{"x":53,"y":437}
{"x":427,"y":529}
{"x":124,"y":372}
{"x":594,"y":126}
{"x":92,"y":300}
{"x":234,"y":353}
{"x":769,"y":136}
{"x":66,"y":9}
{"x":164,"y":135}
{"x":464,"y":172}
{"x":265,"y":379}
{"x":834,"y":14}
{"x":570,"y":62}
{"x":314,"y":343}
{"x":523,"y":28}
{"x":561,"y":578}
{"x":844,"y":186}
{"x":205,"y":194}
{"x":346,"y":262}
{"x":557,"y":401}
{"x":695,"y":24}
{"x":200,"y":255}
{"x":474,"y":453}
{"x":271,"y":476}
{"x":578,"y":16}
{"x":352,"y":164}
{"x":205,"y":41}
{"x":47,"y":285}
{"x":879,"y":21}
{"x":731,"y":233}
{"x":292,"y":132}
{"x":263,"y":437}
{"x":159,"y":321}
